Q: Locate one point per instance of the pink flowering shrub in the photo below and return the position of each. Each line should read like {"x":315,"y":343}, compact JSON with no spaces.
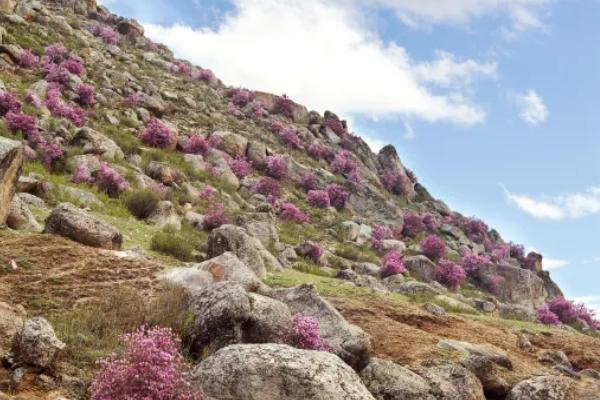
{"x":110,"y":181}
{"x":290,"y":139}
{"x":379,"y":234}
{"x":450,"y":274}
{"x":433,"y":247}
{"x":276,"y":127}
{"x":233,"y":110}
{"x":318,"y":198}
{"x":430,"y":221}
{"x":316,"y":252}
{"x":567,"y":312}
{"x":32,"y":99}
{"x":335,"y":125}
{"x":240,"y":96}
{"x":8,"y":102}
{"x":50,"y":152}
{"x":207,"y":193}
{"x":157,"y":134}
{"x":240,"y":166}
{"x":392,"y":264}
{"x":337,"y":195}
{"x":81,"y":174}
{"x":215,"y":217}
{"x":56,"y":53}
{"x":182,"y":68}
{"x":268,"y":187}
{"x":73,"y":66}
{"x":393,"y":181}
{"x":277,"y":166}
{"x":320,"y":151}
{"x":58,"y":108}
{"x":55,"y":73}
{"x":285,"y":106}
{"x":85,"y":95}
{"x":343,"y":163}
{"x":258,"y":110}
{"x":413,"y":224}
{"x":305,"y":334}
{"x":517,"y":251}
{"x":19,"y":122}
{"x":498,"y":251}
{"x":472,"y":262}
{"x":206,"y":75}
{"x":308,"y":181}
{"x":196,"y":144}
{"x":151,"y":368}
{"x":411,"y":176}
{"x":28,"y":59}
{"x":493,"y":283}
{"x":106,"y":33}
{"x":132,"y":100}
{"x":476,"y":230}
{"x":289,"y":211}
{"x":545,"y":316}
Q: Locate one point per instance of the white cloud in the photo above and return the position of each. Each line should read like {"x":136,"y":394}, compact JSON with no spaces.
{"x":571,"y":205}
{"x":592,"y":302}
{"x":409,"y":132}
{"x":532,"y":108}
{"x":553,"y":263}
{"x":319,"y":53}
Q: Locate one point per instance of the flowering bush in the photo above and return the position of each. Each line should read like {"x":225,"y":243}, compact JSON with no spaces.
{"x":85,"y":95}
{"x":73,"y":66}
{"x":215,"y":217}
{"x":308,"y":181}
{"x":8,"y":102}
{"x":56,"y":53}
{"x":81,"y":174}
{"x":50,"y":152}
{"x":517,"y":251}
{"x":318,"y":198}
{"x":276,"y":127}
{"x":32,"y":99}
{"x":379,"y":234}
{"x":433,"y":247}
{"x":431,"y":223}
{"x":567,"y":311}
{"x":337,"y":195}
{"x":392,"y":264}
{"x":289,"y":211}
{"x":258,"y":110}
{"x":106,"y":33}
{"x":343,"y":163}
{"x":240,"y":166}
{"x":28,"y":59}
{"x":283,"y":105}
{"x":58,"y":108}
{"x":413,"y":224}
{"x":493,"y":283}
{"x":182,"y":68}
{"x":150,"y":369}
{"x":277,"y":166}
{"x":545,"y":316}
{"x":110,"y":181}
{"x":132,"y":100}
{"x":316,"y":252}
{"x":157,"y":134}
{"x":305,"y":334}
{"x":472,"y":262}
{"x":320,"y":151}
{"x":233,"y":110}
{"x":411,"y":176}
{"x":290,"y":138}
{"x":207,"y":193}
{"x":335,"y":125}
{"x":206,"y":75}
{"x":450,"y":274}
{"x":476,"y":229}
{"x":196,"y":144}
{"x":498,"y":251}
{"x":56,"y":73}
{"x":530,"y":261}
{"x":17,"y":121}
{"x":241,"y":97}
{"x":268,"y":187}
{"x":393,"y":181}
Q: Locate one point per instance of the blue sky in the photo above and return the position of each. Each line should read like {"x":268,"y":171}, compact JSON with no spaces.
{"x":491,"y":102}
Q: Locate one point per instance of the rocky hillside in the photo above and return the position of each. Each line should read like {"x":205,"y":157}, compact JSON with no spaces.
{"x":251,"y":248}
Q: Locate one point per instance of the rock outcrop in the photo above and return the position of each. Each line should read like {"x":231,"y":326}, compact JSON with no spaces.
{"x":11,"y":163}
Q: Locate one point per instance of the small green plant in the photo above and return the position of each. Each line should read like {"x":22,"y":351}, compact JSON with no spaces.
{"x":141,"y":203}
{"x":179,"y":244}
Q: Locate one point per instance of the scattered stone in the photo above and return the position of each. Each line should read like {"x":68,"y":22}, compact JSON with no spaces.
{"x":38,"y":345}
{"x":20,"y":217}
{"x":541,"y":388}
{"x":93,"y":142}
{"x":434,"y":309}
{"x":389,"y":381}
{"x":554,"y":357}
{"x":421,"y":267}
{"x":452,"y":382}
{"x":484,"y":369}
{"x":496,"y":355}
{"x":165,"y":215}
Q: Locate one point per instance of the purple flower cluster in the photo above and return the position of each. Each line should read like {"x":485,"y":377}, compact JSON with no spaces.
{"x":233,"y":110}
{"x":289,"y":211}
{"x":290,"y":138}
{"x":392,"y":264}
{"x":498,"y":251}
{"x":567,"y":311}
{"x":81,"y":174}
{"x":215,"y":217}
{"x":56,"y":53}
{"x":335,"y":125}
{"x":277,"y":166}
{"x":393,"y":181}
{"x":431,"y":222}
{"x":433,"y":247}
{"x":305,"y":334}
{"x":308,"y":181}
{"x":337,"y":195}
{"x":284,"y":105}
{"x":476,"y":230}
{"x":157,"y":134}
{"x":413,"y":224}
{"x":517,"y":251}
{"x":379,"y":234}
{"x":240,"y":166}
{"x":545,"y":316}
{"x":196,"y":144}
{"x":276,"y":127}
{"x":182,"y":68}
{"x":320,"y":151}
{"x":28,"y":59}
{"x":450,"y":274}
{"x":8,"y":102}
{"x":318,"y":198}
{"x":258,"y":110}
{"x":132,"y":100}
{"x":110,"y":181}
{"x":207,"y":193}
{"x":493,"y":283}
{"x":86,"y":96}
{"x":150,"y":368}
{"x":49,"y":151}
{"x":16,"y":121}
{"x":59,"y":108}
{"x":268,"y":187}
{"x":472,"y":262}
{"x":106,"y":33}
{"x":240,"y":96}
{"x":343,"y":163}
{"x":206,"y":75}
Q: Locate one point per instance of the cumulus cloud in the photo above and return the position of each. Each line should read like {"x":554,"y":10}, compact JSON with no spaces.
{"x":532,"y":108}
{"x":565,"y":206}
{"x":319,"y":53}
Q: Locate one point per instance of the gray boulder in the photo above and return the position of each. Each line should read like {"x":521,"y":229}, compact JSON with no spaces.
{"x":94,"y":142}
{"x":452,"y":382}
{"x":389,"y":381}
{"x":11,"y":323}
{"x":165,"y":215}
{"x":484,"y":369}
{"x":421,"y":267}
{"x":20,"y":217}
{"x":248,"y":249}
{"x":347,"y":341}
{"x":365,"y":268}
{"x":76,"y":224}
{"x":542,"y":388}
{"x":519,"y":285}
{"x":388,"y":159}
{"x":11,"y":163}
{"x":277,"y":372}
{"x":496,"y":355}
{"x":362,"y":280}
{"x":349,"y":231}
{"x":411,"y":288}
{"x":231,"y":143}
{"x":38,"y":345}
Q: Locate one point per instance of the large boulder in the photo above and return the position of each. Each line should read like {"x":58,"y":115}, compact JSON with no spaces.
{"x":485,"y":370}
{"x":76,"y":224}
{"x":94,"y":142}
{"x":494,"y":354}
{"x":37,"y":344}
{"x":247,"y":248}
{"x":11,"y":163}
{"x":389,"y":381}
{"x":452,"y":382}
{"x":224,"y":314}
{"x":20,"y":217}
{"x":388,"y":159}
{"x":348,"y":341}
{"x":11,"y":323}
{"x":277,"y":372}
{"x":518,"y":285}
{"x":542,"y":388}
{"x":299,"y":113}
{"x":231,"y":143}
{"x":421,"y":267}
{"x":226,"y":267}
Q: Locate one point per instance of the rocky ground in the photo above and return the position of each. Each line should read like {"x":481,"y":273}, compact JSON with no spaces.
{"x":139,"y":190}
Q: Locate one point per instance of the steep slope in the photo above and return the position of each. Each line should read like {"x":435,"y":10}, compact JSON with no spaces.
{"x":166,"y":164}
